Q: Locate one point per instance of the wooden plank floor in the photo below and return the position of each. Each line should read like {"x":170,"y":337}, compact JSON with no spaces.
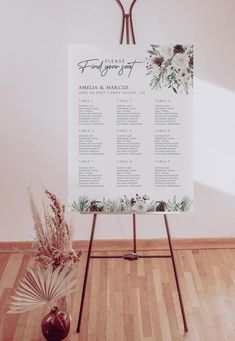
{"x":136,"y":301}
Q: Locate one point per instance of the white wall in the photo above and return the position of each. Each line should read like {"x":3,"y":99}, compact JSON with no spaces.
{"x":34,"y":35}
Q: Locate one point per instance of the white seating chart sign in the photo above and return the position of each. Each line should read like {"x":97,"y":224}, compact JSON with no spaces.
{"x":130,"y":128}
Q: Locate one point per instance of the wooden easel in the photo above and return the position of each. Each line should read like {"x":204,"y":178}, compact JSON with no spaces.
{"x":132,"y":256}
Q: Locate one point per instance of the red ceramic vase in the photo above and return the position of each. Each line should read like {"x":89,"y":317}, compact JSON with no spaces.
{"x":56,"y":325}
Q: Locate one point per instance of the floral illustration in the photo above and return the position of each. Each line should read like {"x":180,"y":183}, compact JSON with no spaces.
{"x":171,"y":66}
{"x":137,"y":203}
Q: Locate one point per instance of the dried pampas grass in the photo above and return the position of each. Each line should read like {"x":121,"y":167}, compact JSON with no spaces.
{"x":53,"y":242}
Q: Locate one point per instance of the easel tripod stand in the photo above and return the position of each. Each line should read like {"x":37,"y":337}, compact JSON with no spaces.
{"x":127,"y":24}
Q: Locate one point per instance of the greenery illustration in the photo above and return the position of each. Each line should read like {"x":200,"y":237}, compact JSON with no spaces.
{"x":137,"y":203}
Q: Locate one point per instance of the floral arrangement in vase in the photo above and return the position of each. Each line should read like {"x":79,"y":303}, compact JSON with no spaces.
{"x":45,"y":286}
{"x":54,"y":277}
{"x":171,"y":66}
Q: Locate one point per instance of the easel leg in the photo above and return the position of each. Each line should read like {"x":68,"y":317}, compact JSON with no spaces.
{"x":175,"y":273}
{"x":134,"y":233}
{"x":86,"y":272}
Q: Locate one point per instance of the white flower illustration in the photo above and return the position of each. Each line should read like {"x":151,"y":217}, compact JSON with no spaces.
{"x":156,"y":70}
{"x":184,"y":76}
{"x":180,"y":60}
{"x":167,"y":51}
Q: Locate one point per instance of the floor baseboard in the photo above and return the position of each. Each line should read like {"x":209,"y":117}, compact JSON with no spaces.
{"x":127,"y":244}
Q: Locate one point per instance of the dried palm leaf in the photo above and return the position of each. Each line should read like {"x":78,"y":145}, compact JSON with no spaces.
{"x":42,"y":286}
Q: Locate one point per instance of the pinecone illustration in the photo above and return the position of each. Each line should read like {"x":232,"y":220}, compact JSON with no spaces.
{"x":96,"y":206}
{"x":191,"y":61}
{"x":178,"y":49}
{"x":158,"y":61}
{"x":161,"y":207}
